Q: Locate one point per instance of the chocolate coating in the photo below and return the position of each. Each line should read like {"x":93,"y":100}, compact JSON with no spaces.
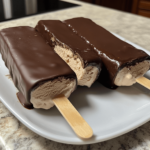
{"x":22,"y":100}
{"x":30,"y":60}
{"x":65,"y":36}
{"x":114,"y":53}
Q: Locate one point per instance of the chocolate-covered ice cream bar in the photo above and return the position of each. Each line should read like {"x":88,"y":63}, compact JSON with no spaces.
{"x":122,"y":63}
{"x":74,"y":50}
{"x":36,"y":70}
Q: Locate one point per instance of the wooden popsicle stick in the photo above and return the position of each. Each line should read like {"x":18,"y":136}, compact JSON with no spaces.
{"x":72,"y":116}
{"x":144,"y":81}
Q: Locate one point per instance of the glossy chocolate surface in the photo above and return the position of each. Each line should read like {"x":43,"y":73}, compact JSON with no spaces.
{"x":30,"y":60}
{"x":114,"y":53}
{"x":65,"y":36}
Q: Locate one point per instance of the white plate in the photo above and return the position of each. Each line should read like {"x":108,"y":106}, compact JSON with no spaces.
{"x":110,"y":113}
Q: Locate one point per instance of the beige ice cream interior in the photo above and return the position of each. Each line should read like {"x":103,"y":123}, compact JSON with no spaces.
{"x":128,"y":75}
{"x":85,"y":76}
{"x":42,"y":96}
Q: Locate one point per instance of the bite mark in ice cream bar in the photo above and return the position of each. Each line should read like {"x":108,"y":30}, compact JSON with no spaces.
{"x":76,"y":52}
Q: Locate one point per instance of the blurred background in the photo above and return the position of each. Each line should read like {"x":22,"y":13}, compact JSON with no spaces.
{"x":139,"y":7}
{"x":12,"y":9}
